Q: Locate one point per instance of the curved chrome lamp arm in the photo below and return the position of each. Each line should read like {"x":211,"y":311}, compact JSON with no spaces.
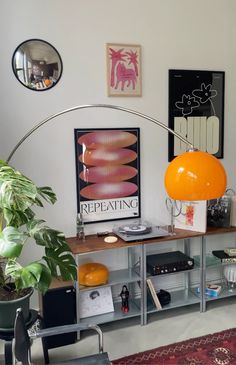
{"x":191,"y":176}
{"x":108,"y":106}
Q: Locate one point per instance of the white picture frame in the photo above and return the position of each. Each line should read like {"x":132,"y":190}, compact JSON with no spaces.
{"x":191,"y":216}
{"x":95,"y":301}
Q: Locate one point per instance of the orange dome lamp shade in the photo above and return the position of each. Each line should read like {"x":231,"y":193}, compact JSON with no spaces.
{"x":195,"y":175}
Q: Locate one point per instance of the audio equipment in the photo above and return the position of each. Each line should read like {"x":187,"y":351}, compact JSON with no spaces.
{"x":58,"y":307}
{"x":139,"y":231}
{"x":168,"y":262}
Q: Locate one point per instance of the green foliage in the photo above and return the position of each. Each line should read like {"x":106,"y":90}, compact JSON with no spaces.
{"x":18,"y":225}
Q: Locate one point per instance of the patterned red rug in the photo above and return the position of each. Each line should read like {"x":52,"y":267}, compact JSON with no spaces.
{"x":215,"y":349}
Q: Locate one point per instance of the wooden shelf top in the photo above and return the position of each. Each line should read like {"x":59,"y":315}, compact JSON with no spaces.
{"x":93,"y":243}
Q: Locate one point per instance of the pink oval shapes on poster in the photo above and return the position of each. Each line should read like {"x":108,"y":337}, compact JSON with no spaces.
{"x":102,"y":174}
{"x":103,"y":157}
{"x":107,"y":139}
{"x":108,"y":190}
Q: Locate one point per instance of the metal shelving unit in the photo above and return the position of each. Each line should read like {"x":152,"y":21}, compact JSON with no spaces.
{"x":135,"y":276}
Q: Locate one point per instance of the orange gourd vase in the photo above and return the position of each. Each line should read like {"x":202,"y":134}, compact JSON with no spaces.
{"x":92,"y":274}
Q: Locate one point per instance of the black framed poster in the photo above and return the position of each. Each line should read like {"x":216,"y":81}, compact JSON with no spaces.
{"x":196,"y":111}
{"x":107,"y":173}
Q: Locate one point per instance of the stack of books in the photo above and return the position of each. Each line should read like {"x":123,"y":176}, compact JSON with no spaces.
{"x":224,"y":257}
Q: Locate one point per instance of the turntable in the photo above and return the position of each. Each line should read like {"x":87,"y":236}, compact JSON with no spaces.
{"x":138,"y":231}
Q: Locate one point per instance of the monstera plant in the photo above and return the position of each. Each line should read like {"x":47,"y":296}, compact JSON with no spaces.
{"x":20,"y":230}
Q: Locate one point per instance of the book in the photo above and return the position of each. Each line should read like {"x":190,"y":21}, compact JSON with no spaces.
{"x":153,"y":294}
{"x":231,"y":251}
{"x":224,"y":257}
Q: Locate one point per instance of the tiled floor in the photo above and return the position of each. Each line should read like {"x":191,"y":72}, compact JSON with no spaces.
{"x":126,"y":337}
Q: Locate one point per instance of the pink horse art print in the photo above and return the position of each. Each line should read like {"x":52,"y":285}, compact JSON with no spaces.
{"x":124,"y":75}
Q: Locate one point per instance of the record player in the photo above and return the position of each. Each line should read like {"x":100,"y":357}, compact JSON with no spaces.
{"x":140,"y":230}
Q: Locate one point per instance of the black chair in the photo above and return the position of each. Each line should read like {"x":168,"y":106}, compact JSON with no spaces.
{"x":22,"y":342}
{"x":8,"y":335}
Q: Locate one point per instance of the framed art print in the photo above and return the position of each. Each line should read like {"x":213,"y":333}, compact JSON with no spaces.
{"x":108,"y":173}
{"x":123,"y":69}
{"x":196,"y":111}
{"x":191,"y":216}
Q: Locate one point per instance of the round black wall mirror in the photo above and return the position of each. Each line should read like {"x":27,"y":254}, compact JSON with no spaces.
{"x":37,"y":64}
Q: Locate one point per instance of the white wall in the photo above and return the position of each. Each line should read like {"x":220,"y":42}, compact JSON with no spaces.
{"x":184,"y":34}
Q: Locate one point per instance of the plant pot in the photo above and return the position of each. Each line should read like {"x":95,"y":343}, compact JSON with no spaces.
{"x":8,"y":310}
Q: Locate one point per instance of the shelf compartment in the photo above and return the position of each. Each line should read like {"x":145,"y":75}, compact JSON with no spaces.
{"x":211,"y":260}
{"x":179,"y":298}
{"x":117,"y":277}
{"x":225,"y":293}
{"x":134,"y":311}
{"x":123,"y":276}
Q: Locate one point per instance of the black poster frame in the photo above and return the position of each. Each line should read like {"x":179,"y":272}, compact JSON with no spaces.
{"x":196,"y":110}
{"x":119,"y":147}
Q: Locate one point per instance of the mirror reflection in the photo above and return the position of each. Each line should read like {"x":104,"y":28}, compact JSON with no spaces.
{"x":37,"y":64}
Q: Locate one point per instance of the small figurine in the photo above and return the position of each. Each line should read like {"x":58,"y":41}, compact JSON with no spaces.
{"x":124,"y":299}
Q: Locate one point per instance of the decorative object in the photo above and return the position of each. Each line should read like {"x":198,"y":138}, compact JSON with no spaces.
{"x":92,"y":274}
{"x":123,"y":69}
{"x":96,"y":301}
{"x":110,"y":239}
{"x":211,"y":290}
{"x":218,"y":211}
{"x":18,"y":222}
{"x":217,"y":348}
{"x":230,"y":276}
{"x":107,"y":165}
{"x":193,"y":215}
{"x":37,"y":64}
{"x":194,"y":175}
{"x":80,"y":227}
{"x":124,"y":294}
{"x":196,"y":110}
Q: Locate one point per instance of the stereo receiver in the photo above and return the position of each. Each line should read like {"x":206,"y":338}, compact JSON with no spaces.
{"x":169,"y":262}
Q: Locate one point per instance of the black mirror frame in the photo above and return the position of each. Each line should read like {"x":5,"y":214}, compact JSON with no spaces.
{"x":49,"y":44}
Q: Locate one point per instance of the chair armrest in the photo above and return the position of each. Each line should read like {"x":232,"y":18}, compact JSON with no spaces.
{"x":69,"y":328}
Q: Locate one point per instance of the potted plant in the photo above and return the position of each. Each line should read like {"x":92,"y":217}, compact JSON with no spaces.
{"x":19,"y":227}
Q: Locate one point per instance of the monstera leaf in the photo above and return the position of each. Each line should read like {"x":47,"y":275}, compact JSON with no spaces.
{"x":44,"y":235}
{"x":11,"y":242}
{"x":61,"y":260}
{"x":18,"y":194}
{"x":35,"y":275}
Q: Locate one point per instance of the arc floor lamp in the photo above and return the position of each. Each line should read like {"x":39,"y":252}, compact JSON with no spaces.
{"x":193,"y":175}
